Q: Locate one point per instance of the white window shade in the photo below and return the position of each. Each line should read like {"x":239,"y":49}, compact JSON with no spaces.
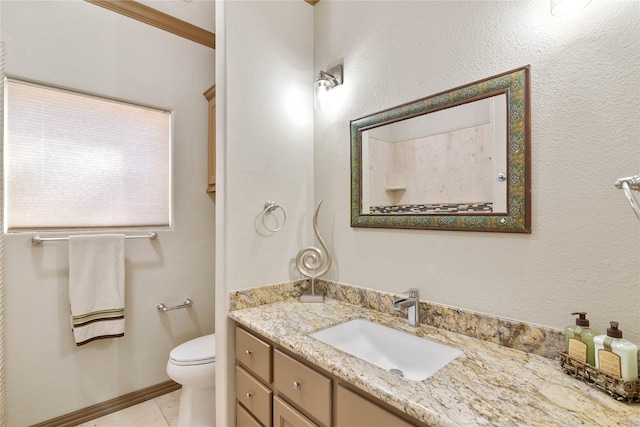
{"x":80,"y":161}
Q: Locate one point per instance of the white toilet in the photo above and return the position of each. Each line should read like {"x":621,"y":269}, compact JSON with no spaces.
{"x":192,"y":364}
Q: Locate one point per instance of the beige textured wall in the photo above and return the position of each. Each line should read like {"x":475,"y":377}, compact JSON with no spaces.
{"x":585,"y":117}
{"x":582,"y":253}
{"x":265,"y":135}
{"x":76,"y":44}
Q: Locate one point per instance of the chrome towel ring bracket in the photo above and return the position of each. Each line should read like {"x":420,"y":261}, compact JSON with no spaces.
{"x":269,"y":208}
{"x":628,"y":184}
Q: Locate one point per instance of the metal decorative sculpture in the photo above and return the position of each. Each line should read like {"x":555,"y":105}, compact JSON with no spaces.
{"x":313,"y":262}
{"x":628,"y":184}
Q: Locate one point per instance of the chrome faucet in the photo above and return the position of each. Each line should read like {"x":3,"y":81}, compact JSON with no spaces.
{"x":412,"y":303}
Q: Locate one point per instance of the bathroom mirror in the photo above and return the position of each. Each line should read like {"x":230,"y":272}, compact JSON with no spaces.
{"x":456,"y":160}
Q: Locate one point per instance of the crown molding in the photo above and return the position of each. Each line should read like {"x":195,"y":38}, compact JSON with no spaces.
{"x":151,"y":16}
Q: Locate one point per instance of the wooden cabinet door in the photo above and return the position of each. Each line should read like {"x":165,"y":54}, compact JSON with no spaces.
{"x":285,"y":416}
{"x":302,"y":386}
{"x":254,"y":354}
{"x":356,"y":411}
{"x":244,"y":418}
{"x":254,"y":396}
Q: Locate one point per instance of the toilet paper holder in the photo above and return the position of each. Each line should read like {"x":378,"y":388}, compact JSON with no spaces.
{"x":162,"y":308}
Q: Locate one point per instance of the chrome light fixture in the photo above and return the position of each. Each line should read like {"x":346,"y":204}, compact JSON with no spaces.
{"x":323,"y":85}
{"x":567,"y":7}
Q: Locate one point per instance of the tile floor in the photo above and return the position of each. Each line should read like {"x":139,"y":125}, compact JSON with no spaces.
{"x":159,"y":412}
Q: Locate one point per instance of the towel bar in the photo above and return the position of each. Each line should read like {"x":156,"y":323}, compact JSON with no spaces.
{"x":38,"y":239}
{"x":162,"y":308}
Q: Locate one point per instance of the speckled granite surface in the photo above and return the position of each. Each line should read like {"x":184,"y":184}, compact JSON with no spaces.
{"x":488,"y":385}
{"x":509,"y":333}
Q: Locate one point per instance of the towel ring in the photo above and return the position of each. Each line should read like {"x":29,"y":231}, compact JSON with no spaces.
{"x":269,"y":207}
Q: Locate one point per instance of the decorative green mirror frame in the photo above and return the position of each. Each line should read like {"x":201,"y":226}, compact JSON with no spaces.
{"x":515,"y":216}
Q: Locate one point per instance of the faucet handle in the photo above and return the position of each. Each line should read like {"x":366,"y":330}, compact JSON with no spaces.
{"x":413,"y":293}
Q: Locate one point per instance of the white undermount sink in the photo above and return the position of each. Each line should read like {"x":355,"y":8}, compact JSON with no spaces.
{"x":404,"y":354}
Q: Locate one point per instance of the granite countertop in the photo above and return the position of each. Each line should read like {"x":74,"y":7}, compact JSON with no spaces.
{"x":487,"y":385}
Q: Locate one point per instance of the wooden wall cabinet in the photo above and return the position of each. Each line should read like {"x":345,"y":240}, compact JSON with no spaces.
{"x":210,"y":94}
{"x":277,"y":389}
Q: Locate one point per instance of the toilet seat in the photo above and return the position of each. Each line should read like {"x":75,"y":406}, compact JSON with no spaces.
{"x":198,"y":351}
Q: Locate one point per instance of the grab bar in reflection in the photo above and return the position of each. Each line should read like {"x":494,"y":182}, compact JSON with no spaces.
{"x":162,"y":308}
{"x":628,"y":184}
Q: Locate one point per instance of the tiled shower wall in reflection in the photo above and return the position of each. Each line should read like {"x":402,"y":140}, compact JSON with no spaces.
{"x":455,"y":166}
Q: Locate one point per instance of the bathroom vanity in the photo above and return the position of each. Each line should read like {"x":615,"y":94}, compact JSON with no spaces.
{"x":284,"y":375}
{"x":274,"y":384}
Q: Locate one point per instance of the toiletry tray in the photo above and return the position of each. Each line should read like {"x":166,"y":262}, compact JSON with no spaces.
{"x":619,"y":389}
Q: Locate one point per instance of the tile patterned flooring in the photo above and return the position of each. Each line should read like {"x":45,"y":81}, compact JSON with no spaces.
{"x":159,"y":412}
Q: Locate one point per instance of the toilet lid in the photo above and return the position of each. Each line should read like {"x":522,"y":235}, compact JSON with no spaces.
{"x":198,"y":351}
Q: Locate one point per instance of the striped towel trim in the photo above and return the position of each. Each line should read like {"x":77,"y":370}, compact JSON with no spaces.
{"x":101,"y":337}
{"x":97,"y":316}
{"x":97,"y":329}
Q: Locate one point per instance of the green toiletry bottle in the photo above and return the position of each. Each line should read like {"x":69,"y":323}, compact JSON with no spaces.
{"x":579,"y":340}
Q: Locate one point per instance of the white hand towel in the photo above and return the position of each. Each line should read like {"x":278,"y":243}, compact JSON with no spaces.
{"x":96,"y":286}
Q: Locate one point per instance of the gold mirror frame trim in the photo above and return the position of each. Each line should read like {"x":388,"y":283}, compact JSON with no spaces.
{"x":515,"y":84}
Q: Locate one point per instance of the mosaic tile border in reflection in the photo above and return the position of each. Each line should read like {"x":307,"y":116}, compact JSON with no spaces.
{"x":433,"y":208}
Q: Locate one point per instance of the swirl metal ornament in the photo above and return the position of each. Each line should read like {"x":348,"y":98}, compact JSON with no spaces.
{"x":628,"y":184}
{"x":313,"y":262}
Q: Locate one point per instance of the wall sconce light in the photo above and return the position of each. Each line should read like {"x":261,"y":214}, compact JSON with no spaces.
{"x":567,"y":7}
{"x":323,"y":85}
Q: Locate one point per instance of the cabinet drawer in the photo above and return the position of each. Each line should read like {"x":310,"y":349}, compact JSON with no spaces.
{"x":254,"y":354}
{"x":244,"y":419}
{"x":253,"y":396}
{"x":356,"y":411}
{"x":285,"y":416}
{"x":303,"y":386}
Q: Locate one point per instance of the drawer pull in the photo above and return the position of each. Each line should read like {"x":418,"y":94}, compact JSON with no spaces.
{"x":297,"y":384}
{"x":249,"y":395}
{"x":248,"y":352}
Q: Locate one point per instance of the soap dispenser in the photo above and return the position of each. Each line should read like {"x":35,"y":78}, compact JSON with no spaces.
{"x":615,"y":355}
{"x":579,"y":340}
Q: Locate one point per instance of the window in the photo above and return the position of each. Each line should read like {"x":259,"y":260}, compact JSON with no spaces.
{"x":79,"y":161}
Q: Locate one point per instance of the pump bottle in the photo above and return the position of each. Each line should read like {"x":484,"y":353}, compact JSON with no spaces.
{"x":615,"y":355}
{"x":579,"y":340}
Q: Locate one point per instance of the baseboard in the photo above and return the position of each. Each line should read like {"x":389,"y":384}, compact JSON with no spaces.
{"x":113,"y":405}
